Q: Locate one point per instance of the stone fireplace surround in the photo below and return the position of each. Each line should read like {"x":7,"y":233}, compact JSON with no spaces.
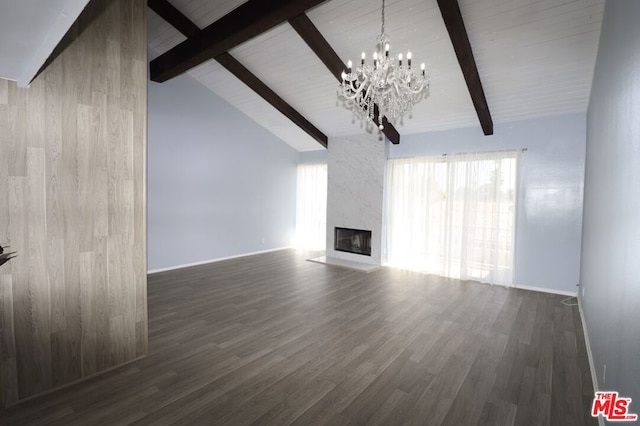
{"x":356,"y":174}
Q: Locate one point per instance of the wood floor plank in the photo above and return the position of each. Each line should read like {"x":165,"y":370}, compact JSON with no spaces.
{"x":274,"y":339}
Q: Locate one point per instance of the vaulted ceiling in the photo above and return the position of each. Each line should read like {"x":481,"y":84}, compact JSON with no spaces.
{"x":534,"y":58}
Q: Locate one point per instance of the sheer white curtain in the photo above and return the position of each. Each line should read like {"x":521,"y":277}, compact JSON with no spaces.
{"x":453,"y":215}
{"x":311,"y":207}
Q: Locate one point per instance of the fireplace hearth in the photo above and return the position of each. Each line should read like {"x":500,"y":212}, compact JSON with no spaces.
{"x":357,"y":241}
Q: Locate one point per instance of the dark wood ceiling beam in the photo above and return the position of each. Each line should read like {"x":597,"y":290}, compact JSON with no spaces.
{"x":248,"y":78}
{"x":169,"y":13}
{"x":183,"y":24}
{"x":321,"y":47}
{"x":452,"y":17}
{"x":243,"y":23}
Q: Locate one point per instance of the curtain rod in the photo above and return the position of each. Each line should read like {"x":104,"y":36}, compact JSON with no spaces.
{"x":462,"y":153}
{"x":486,"y":152}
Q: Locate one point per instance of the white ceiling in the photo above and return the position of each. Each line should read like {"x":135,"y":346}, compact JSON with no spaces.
{"x":535,"y":58}
{"x":29,"y":31}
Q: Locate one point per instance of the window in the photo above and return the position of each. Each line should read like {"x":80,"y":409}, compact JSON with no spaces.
{"x":311,"y":207}
{"x":453,"y":215}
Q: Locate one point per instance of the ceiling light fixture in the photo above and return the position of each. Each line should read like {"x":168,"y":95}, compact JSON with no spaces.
{"x":393,"y":86}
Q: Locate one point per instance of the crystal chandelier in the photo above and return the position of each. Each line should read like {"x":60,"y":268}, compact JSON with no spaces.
{"x":393,"y":86}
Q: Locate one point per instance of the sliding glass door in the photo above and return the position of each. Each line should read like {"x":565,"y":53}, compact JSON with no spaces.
{"x":453,"y":215}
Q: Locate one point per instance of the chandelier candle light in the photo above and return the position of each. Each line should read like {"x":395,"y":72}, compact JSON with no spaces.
{"x":393,"y":86}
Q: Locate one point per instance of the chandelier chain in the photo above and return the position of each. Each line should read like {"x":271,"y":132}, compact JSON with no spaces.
{"x":382,"y":17}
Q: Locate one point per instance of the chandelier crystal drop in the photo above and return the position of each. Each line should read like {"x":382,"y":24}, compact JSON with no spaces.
{"x":391,"y":85}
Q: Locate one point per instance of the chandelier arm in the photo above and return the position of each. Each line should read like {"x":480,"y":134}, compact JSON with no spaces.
{"x":392,"y":84}
{"x":364,"y":83}
{"x":359,"y":89}
{"x":350,"y":97}
{"x":417,"y":90}
{"x":367,"y":95}
{"x":351,"y":92}
{"x":395,"y":86}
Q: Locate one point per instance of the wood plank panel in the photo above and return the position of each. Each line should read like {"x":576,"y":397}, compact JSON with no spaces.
{"x":8,"y":365}
{"x":4,"y":92}
{"x":73,"y":204}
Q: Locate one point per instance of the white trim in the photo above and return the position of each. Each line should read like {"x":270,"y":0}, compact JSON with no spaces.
{"x":547,"y":290}
{"x":592,"y":367}
{"x":220,"y":259}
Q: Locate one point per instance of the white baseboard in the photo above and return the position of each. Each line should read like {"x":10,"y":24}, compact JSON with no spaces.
{"x":547,"y":290}
{"x":220,"y":259}
{"x":592,"y":367}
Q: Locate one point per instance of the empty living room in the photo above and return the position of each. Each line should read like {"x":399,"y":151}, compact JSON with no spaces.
{"x":336,"y":212}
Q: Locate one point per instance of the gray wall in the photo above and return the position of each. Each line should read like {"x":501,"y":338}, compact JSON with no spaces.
{"x":218,"y":182}
{"x":610,"y":270}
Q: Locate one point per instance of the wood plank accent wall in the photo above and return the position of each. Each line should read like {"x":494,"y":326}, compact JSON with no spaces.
{"x":73,"y":204}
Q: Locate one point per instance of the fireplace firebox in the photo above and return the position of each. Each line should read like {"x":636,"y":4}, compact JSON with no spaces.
{"x":349,"y":240}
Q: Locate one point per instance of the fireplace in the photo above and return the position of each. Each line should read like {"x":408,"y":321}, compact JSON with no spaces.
{"x":356,"y":241}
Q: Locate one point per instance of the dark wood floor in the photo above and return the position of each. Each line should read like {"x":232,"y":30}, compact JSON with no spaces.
{"x":273,"y":339}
